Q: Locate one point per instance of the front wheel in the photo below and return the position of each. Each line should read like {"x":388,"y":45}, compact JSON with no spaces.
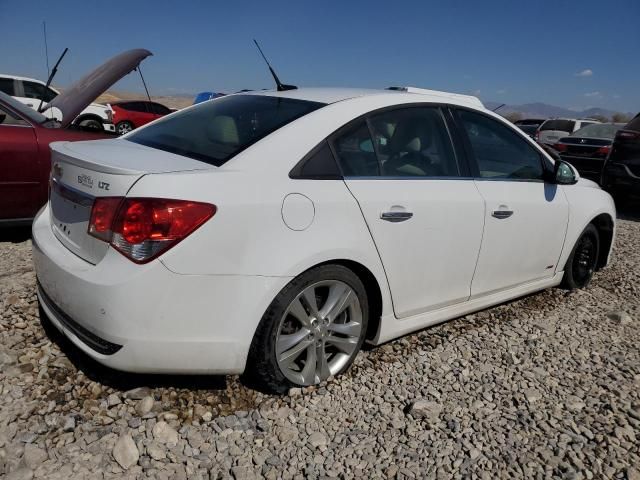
{"x":583,"y":259}
{"x":90,"y":123}
{"x":312,"y":330}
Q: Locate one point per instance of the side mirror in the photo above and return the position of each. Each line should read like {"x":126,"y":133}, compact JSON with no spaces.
{"x":563,"y":173}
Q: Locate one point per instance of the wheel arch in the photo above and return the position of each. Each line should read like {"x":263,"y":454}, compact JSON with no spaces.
{"x":605,"y":226}
{"x":87,"y":116}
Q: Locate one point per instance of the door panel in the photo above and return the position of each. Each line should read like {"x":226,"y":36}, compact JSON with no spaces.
{"x":430,"y":257}
{"x":19,"y":180}
{"x":525,"y":226}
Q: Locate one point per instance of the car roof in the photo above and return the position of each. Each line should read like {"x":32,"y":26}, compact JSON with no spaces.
{"x":333,"y":95}
{"x":16,"y":77}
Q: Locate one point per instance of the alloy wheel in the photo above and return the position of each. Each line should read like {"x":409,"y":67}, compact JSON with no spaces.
{"x":319,"y":332}
{"x":584,"y":261}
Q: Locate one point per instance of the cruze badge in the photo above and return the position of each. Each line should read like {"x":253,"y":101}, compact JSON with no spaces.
{"x":85,"y":180}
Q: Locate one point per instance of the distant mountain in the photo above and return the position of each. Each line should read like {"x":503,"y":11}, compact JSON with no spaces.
{"x":543,"y":110}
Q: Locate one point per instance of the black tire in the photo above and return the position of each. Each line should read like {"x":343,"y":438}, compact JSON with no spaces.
{"x":90,"y":123}
{"x":583,"y":260}
{"x":262,"y":371}
{"x":124,"y":127}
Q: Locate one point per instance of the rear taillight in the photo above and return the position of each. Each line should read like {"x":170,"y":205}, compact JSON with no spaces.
{"x":143,"y":228}
{"x":628,"y":134}
{"x":604,"y":150}
{"x":560,"y":147}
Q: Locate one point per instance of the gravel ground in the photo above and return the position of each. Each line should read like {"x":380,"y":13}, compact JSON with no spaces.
{"x":544,"y":386}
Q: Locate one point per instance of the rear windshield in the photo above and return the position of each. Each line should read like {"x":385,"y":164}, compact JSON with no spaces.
{"x":597,"y":130}
{"x":215,"y":131}
{"x":562,"y":125}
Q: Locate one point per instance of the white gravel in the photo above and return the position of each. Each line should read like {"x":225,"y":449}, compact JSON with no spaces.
{"x":544,"y":386}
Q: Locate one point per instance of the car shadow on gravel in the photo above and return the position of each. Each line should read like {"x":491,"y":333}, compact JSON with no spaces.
{"x":124,"y":381}
{"x":15,"y":234}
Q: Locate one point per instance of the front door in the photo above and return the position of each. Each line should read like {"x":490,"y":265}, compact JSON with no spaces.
{"x":19,"y":180}
{"x":525,"y":219}
{"x":425,"y":220}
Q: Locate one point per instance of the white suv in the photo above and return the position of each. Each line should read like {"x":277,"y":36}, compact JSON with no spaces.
{"x":554,"y":129}
{"x":30,"y":92}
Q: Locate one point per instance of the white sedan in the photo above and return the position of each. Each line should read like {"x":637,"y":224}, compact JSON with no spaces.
{"x":272,"y":233}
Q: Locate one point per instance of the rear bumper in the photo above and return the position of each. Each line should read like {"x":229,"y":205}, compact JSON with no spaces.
{"x":145,"y":318}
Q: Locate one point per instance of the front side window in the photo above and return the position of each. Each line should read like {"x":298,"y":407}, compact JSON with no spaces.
{"x":214,"y":132}
{"x":500,"y":152}
{"x":38,"y":91}
{"x":413,"y":142}
{"x":6,"y":118}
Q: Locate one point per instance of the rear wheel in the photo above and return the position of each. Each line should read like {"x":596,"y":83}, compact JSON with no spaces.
{"x":583,"y":259}
{"x":312,"y":330}
{"x":124,"y":127}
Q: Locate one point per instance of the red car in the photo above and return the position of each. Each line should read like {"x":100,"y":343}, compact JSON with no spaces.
{"x":25,"y":135}
{"x":133,"y":114}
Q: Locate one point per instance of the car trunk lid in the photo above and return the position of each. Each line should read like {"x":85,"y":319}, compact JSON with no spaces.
{"x":83,"y":171}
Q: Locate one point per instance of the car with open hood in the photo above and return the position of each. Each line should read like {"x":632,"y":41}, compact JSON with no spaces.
{"x":26,"y":135}
{"x":271,"y":233}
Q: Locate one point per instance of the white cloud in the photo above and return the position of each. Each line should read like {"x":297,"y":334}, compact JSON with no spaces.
{"x":592,"y":94}
{"x":501,"y":91}
{"x":585,"y":73}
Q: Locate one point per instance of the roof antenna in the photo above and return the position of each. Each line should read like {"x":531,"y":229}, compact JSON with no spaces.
{"x":281,"y":86}
{"x":498,"y":107}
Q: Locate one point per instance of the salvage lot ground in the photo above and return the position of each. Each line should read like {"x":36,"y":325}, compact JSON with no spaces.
{"x":544,"y":386}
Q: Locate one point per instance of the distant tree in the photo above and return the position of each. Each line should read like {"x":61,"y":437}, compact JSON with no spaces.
{"x":619,"y":118}
{"x":513,"y":116}
{"x":600,"y":118}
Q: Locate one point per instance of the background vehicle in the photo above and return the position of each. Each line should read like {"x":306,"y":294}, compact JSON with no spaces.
{"x":530,"y":121}
{"x":587,"y":148}
{"x":25,"y":136}
{"x":31,"y":91}
{"x":272,"y":232}
{"x":621,"y":173}
{"x":529,"y":129}
{"x":553,"y":129}
{"x":128,"y":115}
{"x":204,"y":96}
{"x":25,"y":156}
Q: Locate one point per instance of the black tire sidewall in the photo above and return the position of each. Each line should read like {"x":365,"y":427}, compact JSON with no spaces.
{"x":124,"y":122}
{"x":262,"y":368}
{"x":568,"y":280}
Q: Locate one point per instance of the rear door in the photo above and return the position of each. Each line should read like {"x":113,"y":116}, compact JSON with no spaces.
{"x":425,"y":219}
{"x":19,"y":178}
{"x":526,"y":218}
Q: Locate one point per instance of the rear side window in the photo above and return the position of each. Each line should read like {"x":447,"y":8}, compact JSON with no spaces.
{"x":562,"y":125}
{"x":6,"y":86}
{"x":354,"y":148}
{"x":159,"y":109}
{"x":214,"y":132}
{"x":500,"y":153}
{"x":319,"y":165}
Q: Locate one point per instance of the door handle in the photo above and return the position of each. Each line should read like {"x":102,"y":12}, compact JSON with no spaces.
{"x":500,"y":214}
{"x":396,"y":216}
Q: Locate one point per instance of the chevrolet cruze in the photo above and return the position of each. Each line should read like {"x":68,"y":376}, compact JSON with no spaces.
{"x":273,"y":232}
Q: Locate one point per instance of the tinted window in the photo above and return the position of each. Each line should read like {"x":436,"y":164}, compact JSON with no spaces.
{"x":7,"y":118}
{"x":321,"y":165}
{"x":139,"y":107}
{"x":634,"y":124}
{"x":213,"y":132}
{"x":562,"y":125}
{"x":355,"y":152}
{"x":37,"y":91}
{"x":6,"y":86}
{"x":159,"y":109}
{"x":413,"y":142}
{"x":498,"y":150}
{"x":597,"y":130}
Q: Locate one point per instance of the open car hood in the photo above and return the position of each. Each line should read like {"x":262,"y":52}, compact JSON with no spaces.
{"x":76,"y":98}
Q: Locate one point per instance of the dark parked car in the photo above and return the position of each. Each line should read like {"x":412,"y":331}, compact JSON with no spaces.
{"x":587,"y":148}
{"x":528,"y":129}
{"x":621,"y":173}
{"x":25,"y":135}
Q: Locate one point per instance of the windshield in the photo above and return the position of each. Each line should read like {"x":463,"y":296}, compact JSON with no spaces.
{"x":27,"y":112}
{"x":216,"y":130}
{"x":561,"y":125}
{"x":598,"y":130}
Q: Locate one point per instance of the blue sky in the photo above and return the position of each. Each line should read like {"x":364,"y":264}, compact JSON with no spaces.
{"x":566,"y":53}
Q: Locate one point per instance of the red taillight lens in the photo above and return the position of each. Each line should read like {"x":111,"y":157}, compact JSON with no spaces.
{"x":560,"y":147}
{"x":143,"y":228}
{"x":102,"y":215}
{"x":604,"y":150}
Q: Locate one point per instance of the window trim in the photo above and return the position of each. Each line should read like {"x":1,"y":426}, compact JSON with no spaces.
{"x":459,"y":154}
{"x":473,"y":163}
